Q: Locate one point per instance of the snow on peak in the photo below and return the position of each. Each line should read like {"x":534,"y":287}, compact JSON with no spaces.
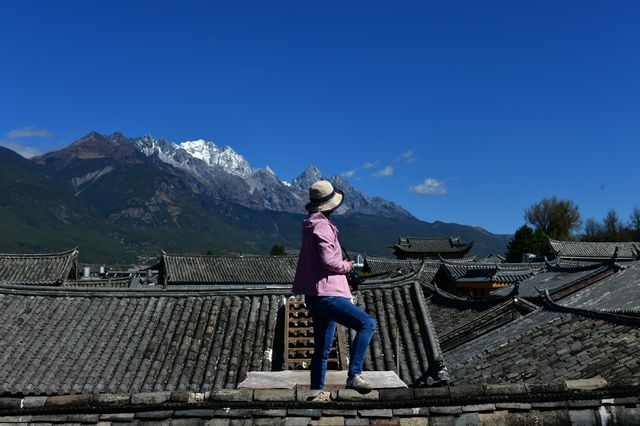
{"x":206,"y":151}
{"x":227,"y":158}
{"x":200,"y":149}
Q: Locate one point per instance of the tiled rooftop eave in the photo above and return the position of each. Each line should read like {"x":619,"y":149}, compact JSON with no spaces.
{"x":557,"y":267}
{"x":449,"y":299}
{"x":394,"y":280}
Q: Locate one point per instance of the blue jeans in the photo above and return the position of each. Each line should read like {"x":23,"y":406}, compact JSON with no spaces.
{"x":326,"y":311}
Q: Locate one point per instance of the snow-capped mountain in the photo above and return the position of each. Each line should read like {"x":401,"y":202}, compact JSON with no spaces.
{"x":222,"y":173}
{"x":147,"y":194}
{"x":225,"y":157}
{"x":213,"y":166}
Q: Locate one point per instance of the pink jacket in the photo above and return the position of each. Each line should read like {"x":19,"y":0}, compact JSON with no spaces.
{"x":321,"y":270}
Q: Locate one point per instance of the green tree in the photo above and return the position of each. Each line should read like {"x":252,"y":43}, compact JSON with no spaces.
{"x":593,"y":230}
{"x":278,"y":250}
{"x":210,"y":252}
{"x":612,"y":226}
{"x":556,"y":218}
{"x":525,"y":240}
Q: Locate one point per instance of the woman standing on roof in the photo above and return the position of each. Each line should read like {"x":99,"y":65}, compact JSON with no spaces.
{"x":321,"y":277}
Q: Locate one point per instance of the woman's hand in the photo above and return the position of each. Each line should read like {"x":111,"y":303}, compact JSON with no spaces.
{"x":350,"y":262}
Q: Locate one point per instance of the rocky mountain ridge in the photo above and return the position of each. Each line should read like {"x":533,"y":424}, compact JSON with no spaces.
{"x":221,"y":172}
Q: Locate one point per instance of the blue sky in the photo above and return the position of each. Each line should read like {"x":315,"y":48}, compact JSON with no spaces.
{"x":460,"y":111}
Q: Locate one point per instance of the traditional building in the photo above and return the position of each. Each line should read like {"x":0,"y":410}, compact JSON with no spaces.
{"x":193,"y":270}
{"x":477,"y":280}
{"x":434,"y":248}
{"x":593,"y":252}
{"x":561,"y":279}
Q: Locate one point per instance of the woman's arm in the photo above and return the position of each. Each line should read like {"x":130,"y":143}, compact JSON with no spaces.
{"x":329,"y":250}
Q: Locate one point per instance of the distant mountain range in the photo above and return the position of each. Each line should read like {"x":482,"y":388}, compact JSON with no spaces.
{"x":125,"y":199}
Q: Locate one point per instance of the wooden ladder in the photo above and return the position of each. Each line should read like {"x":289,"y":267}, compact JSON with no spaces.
{"x":298,"y":327}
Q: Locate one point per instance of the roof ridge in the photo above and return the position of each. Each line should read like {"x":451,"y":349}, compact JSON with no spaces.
{"x":73,"y":251}
{"x":140,"y":292}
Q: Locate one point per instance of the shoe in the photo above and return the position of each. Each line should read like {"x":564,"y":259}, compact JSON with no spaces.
{"x":358,"y":383}
{"x":321,"y":396}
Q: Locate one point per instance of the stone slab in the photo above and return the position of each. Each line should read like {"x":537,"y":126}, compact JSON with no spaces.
{"x":292,"y":378}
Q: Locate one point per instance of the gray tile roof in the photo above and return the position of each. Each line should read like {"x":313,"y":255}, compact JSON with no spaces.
{"x":38,"y":269}
{"x":432,"y":245}
{"x":556,"y":278}
{"x":488,"y":272}
{"x":85,"y":340}
{"x":446,"y":318}
{"x":118,"y":343}
{"x":457,"y":320}
{"x":485,"y":321}
{"x":547,"y":346}
{"x":421,"y":271}
{"x":405,"y":336}
{"x":382,"y":264}
{"x":595,"y":251}
{"x":187,"y":269}
{"x":619,"y":292}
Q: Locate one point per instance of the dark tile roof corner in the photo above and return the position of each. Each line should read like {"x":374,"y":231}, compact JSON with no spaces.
{"x":488,"y":272}
{"x":551,"y":305}
{"x":51,"y":269}
{"x":619,"y":292}
{"x":563,"y":280}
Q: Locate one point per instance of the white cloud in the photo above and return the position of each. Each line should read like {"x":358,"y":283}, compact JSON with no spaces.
{"x":25,"y":151}
{"x":370,"y":164}
{"x":14,"y":140}
{"x":408,"y":157}
{"x":28,"y":132}
{"x":430,"y":186}
{"x":387,"y":171}
{"x":348,"y":173}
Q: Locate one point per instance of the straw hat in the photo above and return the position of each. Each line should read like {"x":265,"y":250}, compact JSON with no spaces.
{"x":323,"y":197}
